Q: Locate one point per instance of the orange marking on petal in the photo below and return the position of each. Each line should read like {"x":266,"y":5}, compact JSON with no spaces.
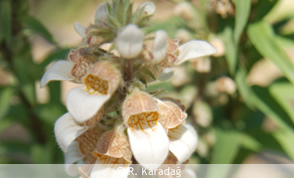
{"x":96,"y":84}
{"x":143,"y":120}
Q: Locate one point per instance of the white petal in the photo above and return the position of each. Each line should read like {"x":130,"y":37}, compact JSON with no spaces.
{"x":129,"y":42}
{"x":101,"y":13}
{"x":66,"y":130}
{"x":82,"y":105}
{"x":159,"y":46}
{"x":166,"y":74}
{"x":73,"y":155}
{"x":109,"y":170}
{"x":194,"y":49}
{"x":149,"y":7}
{"x":60,"y":70}
{"x":80,"y":29}
{"x":149,"y":146}
{"x":183,"y":142}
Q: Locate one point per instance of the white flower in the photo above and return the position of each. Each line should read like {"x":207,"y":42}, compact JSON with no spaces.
{"x":81,"y":61}
{"x":194,"y":49}
{"x":76,"y":140}
{"x":60,"y":70}
{"x":100,"y":83}
{"x":129,"y":41}
{"x":183,"y":141}
{"x":148,"y":139}
{"x":72,"y":156}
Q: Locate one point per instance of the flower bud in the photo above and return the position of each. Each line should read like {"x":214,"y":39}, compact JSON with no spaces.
{"x":219,"y":46}
{"x":183,"y":35}
{"x":129,"y":41}
{"x":201,"y":65}
{"x":202,"y":114}
{"x":83,"y":61}
{"x":185,"y":10}
{"x":226,"y":85}
{"x":149,"y":7}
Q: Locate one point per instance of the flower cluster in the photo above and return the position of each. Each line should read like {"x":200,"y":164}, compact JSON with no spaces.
{"x":112,"y":119}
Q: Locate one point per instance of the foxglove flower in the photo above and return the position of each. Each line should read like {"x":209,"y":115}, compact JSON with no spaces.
{"x":80,"y":62}
{"x":148,"y":139}
{"x":99,"y":85}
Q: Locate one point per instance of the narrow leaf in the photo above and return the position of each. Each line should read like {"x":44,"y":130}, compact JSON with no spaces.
{"x":5,"y":96}
{"x":242,"y":14}
{"x":226,"y":147}
{"x":268,"y":105}
{"x":5,"y":21}
{"x":262,"y":37}
{"x":284,"y":95}
{"x":231,"y":50}
{"x":36,"y":26}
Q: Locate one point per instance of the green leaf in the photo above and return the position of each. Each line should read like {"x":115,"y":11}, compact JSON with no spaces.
{"x":5,"y":95}
{"x":41,"y":154}
{"x":243,"y":88}
{"x":250,"y":142}
{"x":286,"y":140}
{"x":29,"y":92}
{"x":262,"y":8}
{"x":242,"y":14}
{"x":224,"y":152}
{"x":263,"y":38}
{"x":149,"y":73}
{"x":226,"y":147}
{"x":267,"y":104}
{"x":284,"y":95}
{"x":5,"y":21}
{"x":49,"y":113}
{"x":36,"y":26}
{"x":218,"y":170}
{"x":231,"y":50}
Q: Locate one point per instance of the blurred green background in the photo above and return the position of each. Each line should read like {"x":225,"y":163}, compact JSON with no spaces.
{"x":252,"y":124}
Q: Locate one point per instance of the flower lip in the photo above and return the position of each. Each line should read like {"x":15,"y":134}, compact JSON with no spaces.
{"x":66,"y":130}
{"x":194,"y":49}
{"x":60,"y":70}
